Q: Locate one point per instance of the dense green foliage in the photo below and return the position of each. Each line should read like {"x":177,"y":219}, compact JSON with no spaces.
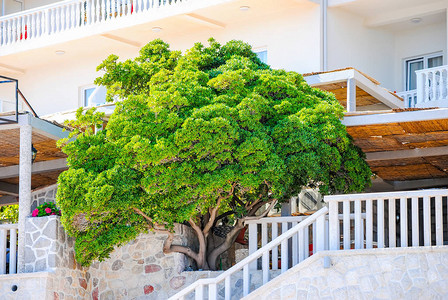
{"x":9,"y":214}
{"x":213,"y":128}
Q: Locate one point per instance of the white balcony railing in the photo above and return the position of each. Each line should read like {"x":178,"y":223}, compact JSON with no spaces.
{"x":432,"y":89}
{"x":394,"y":219}
{"x":70,"y":15}
{"x":8,"y":248}
{"x":409,"y":97}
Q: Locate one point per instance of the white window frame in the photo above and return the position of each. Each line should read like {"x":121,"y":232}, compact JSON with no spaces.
{"x":81,"y":93}
{"x":425,"y":58}
{"x":261,"y":49}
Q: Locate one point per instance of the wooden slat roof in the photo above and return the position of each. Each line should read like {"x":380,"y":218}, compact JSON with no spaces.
{"x":405,"y":136}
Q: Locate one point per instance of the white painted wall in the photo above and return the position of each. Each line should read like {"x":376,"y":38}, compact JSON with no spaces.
{"x":419,"y":41}
{"x":291,"y":39}
{"x":351,"y":44}
{"x":381,"y":51}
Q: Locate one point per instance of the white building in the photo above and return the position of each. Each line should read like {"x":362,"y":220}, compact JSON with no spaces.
{"x":369,"y":53}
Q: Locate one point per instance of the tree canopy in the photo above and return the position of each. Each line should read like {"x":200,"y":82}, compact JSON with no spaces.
{"x":194,"y":137}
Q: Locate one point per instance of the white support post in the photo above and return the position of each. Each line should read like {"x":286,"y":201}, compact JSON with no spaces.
{"x":199,"y":292}
{"x":333,"y":221}
{"x":392,"y":223}
{"x":12,"y":251}
{"x":358,"y":226}
{"x":24,"y":189}
{"x":275,"y":249}
{"x":253,"y":241}
{"x":415,"y":226}
{"x":380,"y":222}
{"x":439,"y":221}
{"x":404,"y":222}
{"x":246,"y":281}
{"x":427,"y":221}
{"x":320,"y":235}
{"x":323,"y":35}
{"x":351,"y":95}
{"x":3,"y":236}
{"x":369,"y":223}
{"x":346,"y":224}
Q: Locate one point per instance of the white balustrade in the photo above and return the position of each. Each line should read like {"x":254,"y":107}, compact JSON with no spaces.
{"x":68,"y":15}
{"x":299,"y":233}
{"x":432,"y":87}
{"x":393,"y":219}
{"x":409,"y":97}
{"x":8,"y":248}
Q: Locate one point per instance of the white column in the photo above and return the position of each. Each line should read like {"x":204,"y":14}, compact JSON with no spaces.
{"x":24,"y":189}
{"x":351,"y":95}
{"x":323,"y":35}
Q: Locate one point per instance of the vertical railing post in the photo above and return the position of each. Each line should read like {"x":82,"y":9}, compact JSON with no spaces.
{"x":3,"y":240}
{"x":346,"y":223}
{"x":403,"y":222}
{"x":333,"y":220}
{"x":420,"y":88}
{"x":13,"y":251}
{"x":359,"y":239}
{"x":253,"y":243}
{"x":427,"y":221}
{"x":320,"y":235}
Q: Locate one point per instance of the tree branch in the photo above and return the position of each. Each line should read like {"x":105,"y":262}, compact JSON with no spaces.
{"x":214,"y":211}
{"x":169,"y":248}
{"x":264,"y":214}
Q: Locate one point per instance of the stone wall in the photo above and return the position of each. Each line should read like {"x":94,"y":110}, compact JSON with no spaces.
{"x":399,"y":273}
{"x":46,"y":245}
{"x":137,"y":269}
{"x":47,"y":194}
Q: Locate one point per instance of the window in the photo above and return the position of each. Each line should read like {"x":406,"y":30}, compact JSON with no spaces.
{"x":262,"y":54}
{"x":419,"y":63}
{"x":93,"y":95}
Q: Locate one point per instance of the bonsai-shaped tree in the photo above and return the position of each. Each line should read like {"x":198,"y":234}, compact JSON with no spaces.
{"x":194,"y":138}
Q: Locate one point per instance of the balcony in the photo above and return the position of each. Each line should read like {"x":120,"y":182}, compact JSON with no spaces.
{"x":432,"y":89}
{"x":73,"y":19}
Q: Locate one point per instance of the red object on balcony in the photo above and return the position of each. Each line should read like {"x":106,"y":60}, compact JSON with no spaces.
{"x":26,"y":33}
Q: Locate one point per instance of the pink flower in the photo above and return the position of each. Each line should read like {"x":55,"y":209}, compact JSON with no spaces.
{"x":48,"y":210}
{"x":35,"y":212}
{"x":52,"y":213}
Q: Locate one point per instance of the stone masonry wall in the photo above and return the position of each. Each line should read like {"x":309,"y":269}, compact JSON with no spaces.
{"x":135,"y":270}
{"x":47,"y":194}
{"x":400,"y":273}
{"x":46,"y":245}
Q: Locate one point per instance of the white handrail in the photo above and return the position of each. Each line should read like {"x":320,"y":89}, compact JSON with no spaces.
{"x":198,"y":287}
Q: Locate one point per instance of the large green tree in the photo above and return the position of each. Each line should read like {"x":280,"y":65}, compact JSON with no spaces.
{"x":194,"y":138}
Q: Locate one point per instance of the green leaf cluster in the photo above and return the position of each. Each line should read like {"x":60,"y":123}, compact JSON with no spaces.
{"x":213,"y":123}
{"x":9,"y":214}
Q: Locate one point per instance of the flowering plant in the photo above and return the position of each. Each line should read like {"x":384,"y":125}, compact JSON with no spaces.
{"x":46,"y":209}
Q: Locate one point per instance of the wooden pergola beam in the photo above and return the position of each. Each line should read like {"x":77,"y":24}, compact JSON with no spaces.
{"x":411,"y":153}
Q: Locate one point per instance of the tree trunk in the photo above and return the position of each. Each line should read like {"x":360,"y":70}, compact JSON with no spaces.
{"x":230,"y":239}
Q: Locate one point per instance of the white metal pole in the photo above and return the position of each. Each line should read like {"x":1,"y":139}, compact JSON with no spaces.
{"x":323,"y":35}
